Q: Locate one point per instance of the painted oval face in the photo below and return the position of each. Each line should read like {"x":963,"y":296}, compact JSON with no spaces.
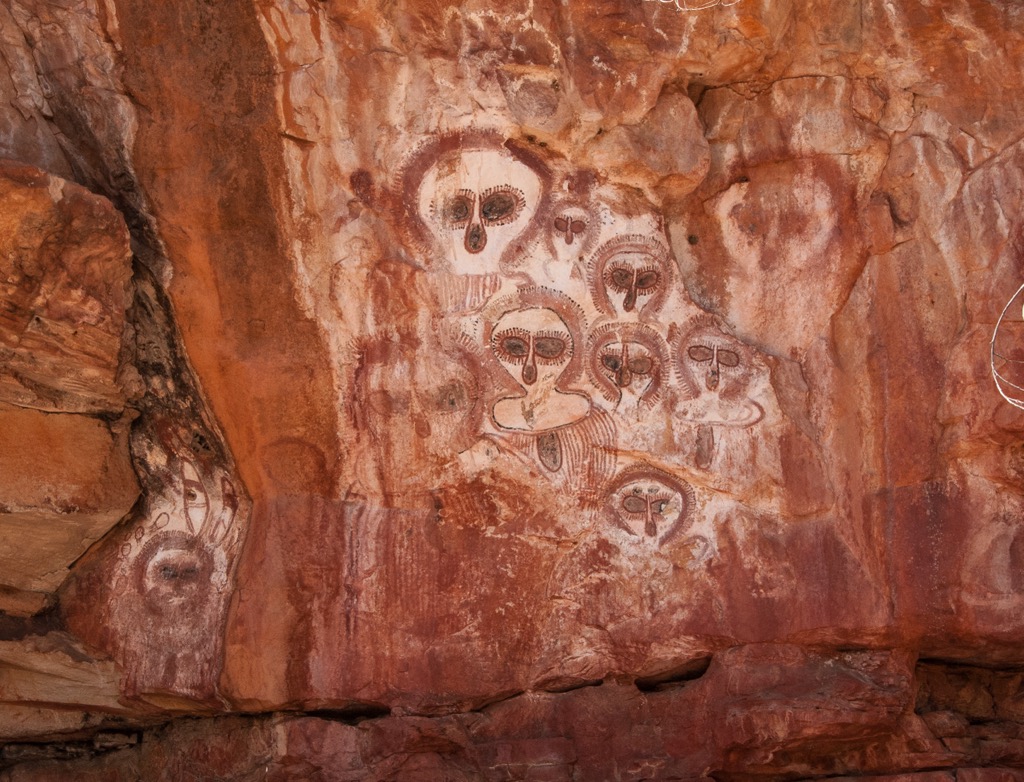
{"x":709,"y":359}
{"x":648,"y":507}
{"x":418,"y":405}
{"x":476,"y":203}
{"x":628,"y":364}
{"x":175,"y":572}
{"x":534,"y":345}
{"x":629,"y":275}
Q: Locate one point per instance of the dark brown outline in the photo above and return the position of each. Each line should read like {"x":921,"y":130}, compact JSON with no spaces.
{"x":679,"y":341}
{"x":647,"y":472}
{"x":660,"y":256}
{"x":404,"y":196}
{"x":628,"y":332}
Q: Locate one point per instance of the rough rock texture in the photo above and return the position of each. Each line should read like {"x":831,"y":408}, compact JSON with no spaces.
{"x":591,"y":390}
{"x":65,"y":474}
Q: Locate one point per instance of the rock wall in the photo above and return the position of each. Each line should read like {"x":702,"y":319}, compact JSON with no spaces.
{"x":591,"y":390}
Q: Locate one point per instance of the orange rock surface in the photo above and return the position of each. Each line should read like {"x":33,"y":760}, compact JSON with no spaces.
{"x":544,"y":391}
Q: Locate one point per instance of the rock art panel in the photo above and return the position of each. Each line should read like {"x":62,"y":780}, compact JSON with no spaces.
{"x":550,"y":358}
{"x":165,"y":577}
{"x":526,"y":327}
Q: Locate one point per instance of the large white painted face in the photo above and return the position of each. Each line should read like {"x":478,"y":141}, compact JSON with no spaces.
{"x":477,"y":203}
{"x":178,"y":556}
{"x":534,"y":345}
{"x":647,"y":507}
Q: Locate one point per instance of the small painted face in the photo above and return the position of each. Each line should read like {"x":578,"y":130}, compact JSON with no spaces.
{"x":477,"y":203}
{"x":570,"y":227}
{"x":630,"y":279}
{"x":534,"y":345}
{"x":630,"y":274}
{"x":709,"y":360}
{"x":175,"y":571}
{"x":647,"y":507}
{"x":626,"y":361}
{"x":628,"y":365}
{"x":418,"y":406}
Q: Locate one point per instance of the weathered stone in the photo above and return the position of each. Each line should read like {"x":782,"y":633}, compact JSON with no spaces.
{"x":531,"y":391}
{"x":65,"y":480}
{"x":55,"y":670}
{"x":66,"y":271}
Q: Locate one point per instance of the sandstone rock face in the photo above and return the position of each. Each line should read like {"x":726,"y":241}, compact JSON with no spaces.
{"x":515,"y":391}
{"x":65,"y":474}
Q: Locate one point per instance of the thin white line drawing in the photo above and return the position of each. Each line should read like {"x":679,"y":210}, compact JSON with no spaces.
{"x":694,"y":5}
{"x":1002,"y":364}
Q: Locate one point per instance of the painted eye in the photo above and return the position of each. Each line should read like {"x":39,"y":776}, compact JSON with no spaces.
{"x":498,"y":207}
{"x":622,"y":278}
{"x":646,"y":280}
{"x":700,"y":353}
{"x":578,"y":226}
{"x":658,"y":506}
{"x":459,"y":210}
{"x":515,"y":346}
{"x":641,"y":365}
{"x":634,"y":504}
{"x":195,"y":494}
{"x":451,"y":398}
{"x":174,"y":572}
{"x":561,"y":224}
{"x":549,"y":347}
{"x":197,"y":504}
{"x":728,"y":358}
{"x":612,"y":362}
{"x":181,"y":571}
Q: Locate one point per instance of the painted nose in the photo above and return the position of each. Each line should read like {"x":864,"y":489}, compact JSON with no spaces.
{"x":713,"y":372}
{"x":630,"y":301}
{"x":712,"y":378}
{"x":650,"y":527}
{"x":476,"y":237}
{"x":530,"y":367}
{"x":623,"y":375}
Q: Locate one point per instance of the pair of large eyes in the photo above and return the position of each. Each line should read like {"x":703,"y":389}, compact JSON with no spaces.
{"x":703,"y":353}
{"x":638,"y":365}
{"x":513,"y":346}
{"x":626,"y":278}
{"x":176,"y":570}
{"x":452,"y":397}
{"x":637,"y":503}
{"x":570,"y":227}
{"x":498,"y":206}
